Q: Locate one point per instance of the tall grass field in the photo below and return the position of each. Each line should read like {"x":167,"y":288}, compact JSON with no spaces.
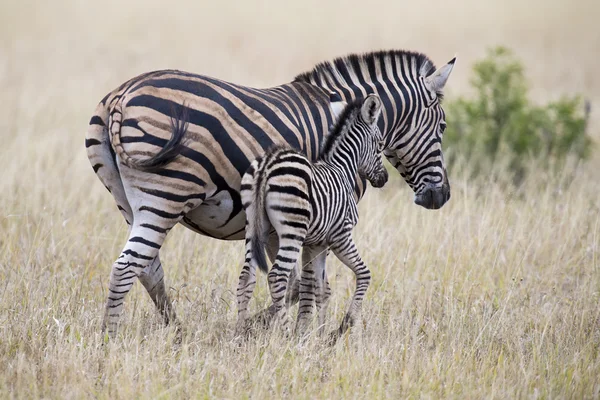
{"x":496,"y":295}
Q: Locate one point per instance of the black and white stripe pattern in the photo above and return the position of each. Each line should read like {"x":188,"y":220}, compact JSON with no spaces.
{"x":312,"y":205}
{"x":172,"y":147}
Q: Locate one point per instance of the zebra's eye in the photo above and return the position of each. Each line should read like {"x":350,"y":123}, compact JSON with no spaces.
{"x":443,"y":127}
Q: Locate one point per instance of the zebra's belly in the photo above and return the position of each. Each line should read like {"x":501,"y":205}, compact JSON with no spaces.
{"x":217,"y":217}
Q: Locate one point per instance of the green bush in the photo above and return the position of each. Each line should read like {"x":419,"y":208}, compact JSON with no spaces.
{"x":501,"y":123}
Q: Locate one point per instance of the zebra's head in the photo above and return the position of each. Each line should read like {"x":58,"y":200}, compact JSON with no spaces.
{"x":370,"y":163}
{"x":413,"y":119}
{"x":415,"y":146}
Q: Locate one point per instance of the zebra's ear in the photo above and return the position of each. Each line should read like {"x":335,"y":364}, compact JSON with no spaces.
{"x":371,"y":108}
{"x":436,"y":81}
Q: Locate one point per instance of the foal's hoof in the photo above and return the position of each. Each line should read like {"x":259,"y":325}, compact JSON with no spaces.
{"x":333,"y":337}
{"x":301,"y":333}
{"x":287,"y":330}
{"x":283,"y":325}
{"x":178,"y":339}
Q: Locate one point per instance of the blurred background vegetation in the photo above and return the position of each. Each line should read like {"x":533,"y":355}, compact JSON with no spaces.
{"x":499,"y":123}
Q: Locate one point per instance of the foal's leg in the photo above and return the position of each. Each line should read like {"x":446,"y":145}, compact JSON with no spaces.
{"x":345,"y":249}
{"x":322,"y":289}
{"x":264,"y":317}
{"x":311,"y":285}
{"x":285,"y":261}
{"x":246,"y":284}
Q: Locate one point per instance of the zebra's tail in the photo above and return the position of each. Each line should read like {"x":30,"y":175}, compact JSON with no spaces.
{"x":258,"y":222}
{"x":261,"y":220}
{"x":173,"y":147}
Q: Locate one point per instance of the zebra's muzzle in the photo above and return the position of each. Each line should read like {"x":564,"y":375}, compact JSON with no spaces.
{"x":380,"y":179}
{"x":433,"y":198}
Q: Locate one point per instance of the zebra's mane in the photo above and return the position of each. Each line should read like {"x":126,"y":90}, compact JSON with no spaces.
{"x":356,"y":62}
{"x":345,"y":119}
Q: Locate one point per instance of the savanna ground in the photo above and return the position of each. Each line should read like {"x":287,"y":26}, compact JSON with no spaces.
{"x":497,"y":295}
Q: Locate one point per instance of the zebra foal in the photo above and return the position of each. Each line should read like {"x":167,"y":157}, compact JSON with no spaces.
{"x":310,"y":205}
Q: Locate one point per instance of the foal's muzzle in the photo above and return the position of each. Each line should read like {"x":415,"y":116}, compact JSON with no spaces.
{"x":380,"y":179}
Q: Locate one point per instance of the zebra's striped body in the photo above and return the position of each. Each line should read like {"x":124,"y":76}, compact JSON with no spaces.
{"x":171,"y":147}
{"x":312,"y":205}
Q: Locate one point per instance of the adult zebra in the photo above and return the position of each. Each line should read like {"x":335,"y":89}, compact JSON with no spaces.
{"x":158,"y":178}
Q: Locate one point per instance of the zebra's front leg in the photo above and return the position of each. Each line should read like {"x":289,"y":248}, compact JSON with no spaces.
{"x":152,"y":278}
{"x":313,"y":261}
{"x":346,"y":251}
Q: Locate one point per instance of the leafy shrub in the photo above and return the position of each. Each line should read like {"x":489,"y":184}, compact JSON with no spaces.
{"x":500,"y":122}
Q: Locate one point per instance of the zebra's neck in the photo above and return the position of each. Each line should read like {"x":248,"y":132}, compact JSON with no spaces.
{"x":393,"y":75}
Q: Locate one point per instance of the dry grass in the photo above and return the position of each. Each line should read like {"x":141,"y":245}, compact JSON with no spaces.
{"x":496,"y":295}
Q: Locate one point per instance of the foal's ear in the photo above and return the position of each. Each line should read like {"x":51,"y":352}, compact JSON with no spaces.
{"x":371,"y":109}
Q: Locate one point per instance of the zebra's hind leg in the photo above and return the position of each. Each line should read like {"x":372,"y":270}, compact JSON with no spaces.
{"x":322,"y":288}
{"x":146,"y":236}
{"x":285,"y":261}
{"x":153,"y":280}
{"x":246,"y":284}
{"x":346,"y":251}
{"x":292,"y":296}
{"x":313,"y":260}
{"x":264,"y":317}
